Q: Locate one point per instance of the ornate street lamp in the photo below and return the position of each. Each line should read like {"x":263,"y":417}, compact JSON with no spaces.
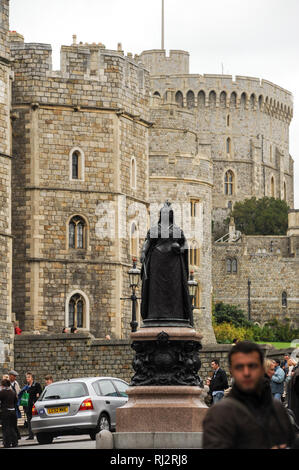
{"x":134,"y":276}
{"x":193,"y":285}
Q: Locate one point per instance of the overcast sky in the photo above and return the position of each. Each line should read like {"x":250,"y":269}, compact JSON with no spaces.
{"x":257,"y":38}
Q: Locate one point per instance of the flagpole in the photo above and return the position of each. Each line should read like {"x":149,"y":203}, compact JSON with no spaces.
{"x":162,"y":41}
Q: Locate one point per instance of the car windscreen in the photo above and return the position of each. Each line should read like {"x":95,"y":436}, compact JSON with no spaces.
{"x":64,"y":390}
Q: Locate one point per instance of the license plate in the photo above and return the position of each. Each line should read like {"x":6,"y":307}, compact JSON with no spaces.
{"x":60,"y":409}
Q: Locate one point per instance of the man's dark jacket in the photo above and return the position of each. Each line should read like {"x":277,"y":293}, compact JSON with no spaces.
{"x":247,"y":421}
{"x":33,"y":391}
{"x":219,"y":381}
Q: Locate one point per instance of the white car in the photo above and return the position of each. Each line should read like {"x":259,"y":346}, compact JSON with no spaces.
{"x":78,"y":406}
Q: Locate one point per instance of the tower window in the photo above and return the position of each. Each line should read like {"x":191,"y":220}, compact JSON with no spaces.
{"x":194,"y":207}
{"x":231,"y":265}
{"x":228,"y":145}
{"x":194,"y":257}
{"x":134,"y":240}
{"x":179,"y":99}
{"x":133,"y":173}
{"x":229,"y":183}
{"x":201,"y":99}
{"x":284,"y":299}
{"x":190,"y":99}
{"x":77,"y":233}
{"x":76,"y":165}
{"x":77,"y":311}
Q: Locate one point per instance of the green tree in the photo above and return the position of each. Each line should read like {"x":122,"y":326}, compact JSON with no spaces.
{"x":226,"y":313}
{"x":266,"y":216}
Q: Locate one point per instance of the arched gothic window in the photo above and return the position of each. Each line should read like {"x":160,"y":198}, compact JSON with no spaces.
{"x":77,"y":311}
{"x":252,"y":101}
{"x":284,"y":299}
{"x":284,"y":191}
{"x":231,"y":265}
{"x":134,"y":240}
{"x":179,"y":98}
{"x":223,"y":99}
{"x":229,"y":183}
{"x":133,"y":173}
{"x":233,"y":100}
{"x":243,"y":100}
{"x":194,"y":255}
{"x":212,"y":99}
{"x":260,"y":102}
{"x":201,"y":99}
{"x":272,"y":187}
{"x":190,"y":99}
{"x":76,"y":164}
{"x":77,"y":232}
{"x":228,"y":146}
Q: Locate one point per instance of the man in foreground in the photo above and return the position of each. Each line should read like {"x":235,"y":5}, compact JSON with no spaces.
{"x":248,"y":418}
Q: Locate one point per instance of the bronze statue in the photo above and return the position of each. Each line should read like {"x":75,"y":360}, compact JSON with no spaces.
{"x":165,"y":271}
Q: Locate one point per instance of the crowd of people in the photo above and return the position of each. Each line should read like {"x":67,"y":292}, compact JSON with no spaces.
{"x":261,"y":407}
{"x":12,"y":397}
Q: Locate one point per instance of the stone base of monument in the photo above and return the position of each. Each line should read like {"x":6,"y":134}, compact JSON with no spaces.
{"x":162,"y":409}
{"x":149,"y":440}
{"x":164,"y":396}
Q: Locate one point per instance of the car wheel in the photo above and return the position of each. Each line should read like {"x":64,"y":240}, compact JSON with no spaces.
{"x":44,"y":438}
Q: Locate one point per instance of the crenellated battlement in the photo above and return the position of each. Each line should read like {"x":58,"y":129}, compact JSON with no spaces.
{"x":214,"y":90}
{"x":158,"y":63}
{"x":90,"y":75}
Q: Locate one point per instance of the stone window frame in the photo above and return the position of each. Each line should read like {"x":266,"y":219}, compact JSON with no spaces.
{"x":272,"y":186}
{"x":284,"y":191}
{"x":284,"y":299}
{"x":194,"y":207}
{"x":81,"y":164}
{"x":134,"y":241}
{"x":211,"y":101}
{"x":133,"y":173}
{"x":85,"y":233}
{"x":230,"y":262}
{"x":86,"y":313}
{"x":194,"y":253}
{"x":201,"y":99}
{"x":190,"y":99}
{"x":227,"y":184}
{"x":179,"y":99}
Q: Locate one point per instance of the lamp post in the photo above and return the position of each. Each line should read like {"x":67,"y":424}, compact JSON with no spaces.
{"x":134,"y":276}
{"x":193,"y":284}
{"x":249,"y":299}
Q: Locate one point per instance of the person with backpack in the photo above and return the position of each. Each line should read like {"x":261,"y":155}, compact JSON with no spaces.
{"x":249,"y":417}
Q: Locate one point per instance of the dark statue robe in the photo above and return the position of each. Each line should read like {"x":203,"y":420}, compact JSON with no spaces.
{"x":165,"y":272}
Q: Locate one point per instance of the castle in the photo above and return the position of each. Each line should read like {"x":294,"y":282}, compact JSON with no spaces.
{"x":89,"y":154}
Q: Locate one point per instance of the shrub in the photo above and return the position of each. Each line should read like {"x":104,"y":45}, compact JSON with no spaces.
{"x":227,"y":332}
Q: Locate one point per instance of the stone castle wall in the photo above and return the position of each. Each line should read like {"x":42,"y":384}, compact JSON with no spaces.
{"x":267,"y":262}
{"x":96,"y":105}
{"x":72,"y":356}
{"x":6,"y":326}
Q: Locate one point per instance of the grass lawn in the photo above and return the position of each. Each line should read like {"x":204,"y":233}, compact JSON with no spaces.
{"x":277,"y":345}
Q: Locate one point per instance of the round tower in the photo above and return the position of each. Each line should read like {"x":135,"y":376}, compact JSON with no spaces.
{"x":180,"y":170}
{"x":247,"y":121}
